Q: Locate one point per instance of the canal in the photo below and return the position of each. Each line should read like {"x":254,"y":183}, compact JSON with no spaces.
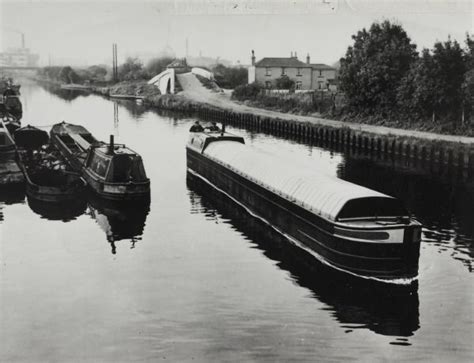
{"x":191,"y":276}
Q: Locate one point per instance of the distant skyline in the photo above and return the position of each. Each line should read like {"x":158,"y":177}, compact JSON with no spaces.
{"x":83,"y":32}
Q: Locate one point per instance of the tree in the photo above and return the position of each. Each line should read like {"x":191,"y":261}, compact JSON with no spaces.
{"x":157,"y":65}
{"x":284,"y":82}
{"x":434,"y":84}
{"x":97,"y":73}
{"x":230,"y":77}
{"x":132,"y":70}
{"x":374,"y":65}
{"x":68,"y":75}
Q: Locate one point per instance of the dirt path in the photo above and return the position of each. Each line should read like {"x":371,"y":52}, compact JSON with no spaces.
{"x":194,"y":90}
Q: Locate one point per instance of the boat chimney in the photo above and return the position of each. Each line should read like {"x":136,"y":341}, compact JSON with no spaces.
{"x":111,"y":145}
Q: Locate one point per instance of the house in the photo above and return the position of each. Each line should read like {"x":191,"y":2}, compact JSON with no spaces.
{"x":306,"y":75}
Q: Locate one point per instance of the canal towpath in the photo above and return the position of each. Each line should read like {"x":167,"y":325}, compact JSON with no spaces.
{"x":193,"y":90}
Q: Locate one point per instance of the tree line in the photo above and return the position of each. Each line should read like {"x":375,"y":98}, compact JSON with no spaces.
{"x":133,"y":69}
{"x":382,"y":74}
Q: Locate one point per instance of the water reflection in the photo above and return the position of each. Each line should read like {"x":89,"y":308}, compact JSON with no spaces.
{"x":354,"y":303}
{"x":119,"y":220}
{"x":443,"y":206}
{"x":68,"y":95}
{"x":58,"y":211}
{"x":11,"y":195}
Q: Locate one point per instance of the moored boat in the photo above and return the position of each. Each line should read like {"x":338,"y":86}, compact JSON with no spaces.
{"x":47,"y":176}
{"x":111,"y":170}
{"x":10,"y":98}
{"x":10,"y":172}
{"x":351,"y":228}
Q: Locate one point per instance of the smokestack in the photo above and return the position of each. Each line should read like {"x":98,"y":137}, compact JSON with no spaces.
{"x":22,"y":40}
{"x":111,"y":145}
{"x":253,"y":57}
{"x":307,"y":59}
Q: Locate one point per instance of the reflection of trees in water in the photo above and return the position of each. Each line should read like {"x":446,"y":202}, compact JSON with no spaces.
{"x":64,"y":94}
{"x":445,"y":207}
{"x":136,"y":108}
{"x":357,"y":304}
{"x":119,"y":220}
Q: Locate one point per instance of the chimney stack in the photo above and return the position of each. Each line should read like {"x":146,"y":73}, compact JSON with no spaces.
{"x":253,"y":57}
{"x":296,"y":56}
{"x":307,"y":59}
{"x":111,"y":145}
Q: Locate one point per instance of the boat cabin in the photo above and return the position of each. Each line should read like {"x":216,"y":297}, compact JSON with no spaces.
{"x":115,"y":163}
{"x":199,"y":141}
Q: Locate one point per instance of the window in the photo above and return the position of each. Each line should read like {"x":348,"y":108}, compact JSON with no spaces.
{"x":299,"y":85}
{"x":268,"y":84}
{"x":268,"y":71}
{"x":99,"y":165}
{"x":320,"y":85}
{"x":283,"y":71}
{"x":320,"y":73}
{"x":298,"y":72}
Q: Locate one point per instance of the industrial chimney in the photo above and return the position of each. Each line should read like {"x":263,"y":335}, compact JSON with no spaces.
{"x":307,"y":59}
{"x":253,"y":57}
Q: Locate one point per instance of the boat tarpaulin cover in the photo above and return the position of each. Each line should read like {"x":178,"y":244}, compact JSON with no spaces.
{"x":319,"y":193}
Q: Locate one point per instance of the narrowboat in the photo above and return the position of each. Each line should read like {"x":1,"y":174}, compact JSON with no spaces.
{"x":48,"y":178}
{"x":10,"y":98}
{"x":10,"y":172}
{"x":111,"y":170}
{"x":346,"y":226}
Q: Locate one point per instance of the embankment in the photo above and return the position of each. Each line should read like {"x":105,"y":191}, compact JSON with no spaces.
{"x":436,"y":152}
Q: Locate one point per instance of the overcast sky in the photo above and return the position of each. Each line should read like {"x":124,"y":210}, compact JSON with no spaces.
{"x":82,"y":32}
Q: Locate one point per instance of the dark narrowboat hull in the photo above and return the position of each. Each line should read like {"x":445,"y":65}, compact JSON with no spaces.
{"x":379,"y":260}
{"x":52,"y":194}
{"x":116,"y":191}
{"x":10,"y":172}
{"x":112,"y":191}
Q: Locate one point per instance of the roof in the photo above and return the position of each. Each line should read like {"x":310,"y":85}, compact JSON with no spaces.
{"x":177,"y":63}
{"x":322,"y":66}
{"x":319,"y":193}
{"x":281,"y":62}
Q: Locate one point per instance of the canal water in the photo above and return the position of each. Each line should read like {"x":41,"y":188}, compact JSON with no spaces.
{"x":191,"y":276}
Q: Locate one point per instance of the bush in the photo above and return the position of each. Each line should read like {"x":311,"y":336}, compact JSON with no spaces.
{"x":285,"y":83}
{"x":246,"y":92}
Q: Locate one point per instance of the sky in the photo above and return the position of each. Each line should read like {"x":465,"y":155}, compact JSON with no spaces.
{"x":82,"y":32}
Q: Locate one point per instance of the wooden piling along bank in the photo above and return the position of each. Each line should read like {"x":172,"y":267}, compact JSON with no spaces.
{"x":435,"y":155}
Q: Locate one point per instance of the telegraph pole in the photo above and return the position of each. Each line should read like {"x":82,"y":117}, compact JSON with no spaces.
{"x":114,"y":62}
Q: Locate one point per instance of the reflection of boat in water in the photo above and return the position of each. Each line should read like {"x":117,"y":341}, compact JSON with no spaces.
{"x":351,"y":228}
{"x":47,"y":175}
{"x":111,"y":170}
{"x":386,"y":309}
{"x":12,"y":194}
{"x":119,"y":220}
{"x":58,"y":211}
{"x":10,"y":172}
